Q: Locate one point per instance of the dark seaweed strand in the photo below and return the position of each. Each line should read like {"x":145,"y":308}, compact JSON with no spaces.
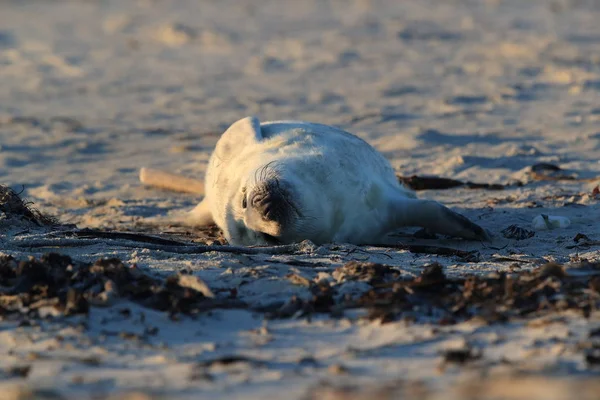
{"x":12,"y":204}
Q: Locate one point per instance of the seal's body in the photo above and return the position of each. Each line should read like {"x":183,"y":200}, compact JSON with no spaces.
{"x":287,"y":181}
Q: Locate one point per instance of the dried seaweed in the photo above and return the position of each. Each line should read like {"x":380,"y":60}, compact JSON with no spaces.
{"x":551,"y":172}
{"x":518,"y":233}
{"x":438,"y":183}
{"x":369,"y":272}
{"x":461,"y":355}
{"x":12,"y":205}
{"x":592,"y":356}
{"x":548,"y":288}
{"x":583,"y":241}
{"x":538,"y":172}
{"x":322,"y":301}
{"x":55,"y":285}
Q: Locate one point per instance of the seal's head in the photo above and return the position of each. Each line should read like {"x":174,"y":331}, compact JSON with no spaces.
{"x":261,"y":194}
{"x":279,"y":206}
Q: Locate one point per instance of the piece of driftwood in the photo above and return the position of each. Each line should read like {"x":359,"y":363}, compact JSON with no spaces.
{"x":169,"y":181}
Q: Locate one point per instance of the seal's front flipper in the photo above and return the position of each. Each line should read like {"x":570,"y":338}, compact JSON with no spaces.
{"x":199,"y":216}
{"x":435,"y":217}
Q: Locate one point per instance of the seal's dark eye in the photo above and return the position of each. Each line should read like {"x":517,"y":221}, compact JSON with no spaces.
{"x":244,"y":199}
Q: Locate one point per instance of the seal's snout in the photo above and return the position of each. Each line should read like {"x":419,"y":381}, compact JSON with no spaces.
{"x":270,"y":204}
{"x":269,"y":208}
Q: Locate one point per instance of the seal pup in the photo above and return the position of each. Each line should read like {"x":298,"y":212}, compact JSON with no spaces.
{"x":286,"y":181}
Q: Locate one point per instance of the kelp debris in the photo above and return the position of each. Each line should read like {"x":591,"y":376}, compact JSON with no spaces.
{"x":56,"y":285}
{"x":12,"y":205}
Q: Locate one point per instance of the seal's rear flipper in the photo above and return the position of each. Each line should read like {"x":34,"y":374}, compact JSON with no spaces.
{"x":435,"y":217}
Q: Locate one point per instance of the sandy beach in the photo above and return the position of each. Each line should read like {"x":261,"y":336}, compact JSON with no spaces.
{"x":501,"y":92}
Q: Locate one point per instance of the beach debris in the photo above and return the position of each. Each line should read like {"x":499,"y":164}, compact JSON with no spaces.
{"x":581,"y":237}
{"x":592,"y":356}
{"x":92,"y":237}
{"x":321,"y":301}
{"x":369,"y":272}
{"x":337,"y":369}
{"x":549,"y":222}
{"x":438,"y":183}
{"x":169,"y":181}
{"x":552,"y":269}
{"x":552,"y":172}
{"x":298,"y":279}
{"x":464,"y":255}
{"x":432,"y":274}
{"x":13,"y":206}
{"x":228,"y":360}
{"x":582,"y":241}
{"x":461,"y":355}
{"x":516,"y":232}
{"x":56,"y":285}
{"x":494,"y":298}
{"x":193,"y":282}
{"x":20,"y":371}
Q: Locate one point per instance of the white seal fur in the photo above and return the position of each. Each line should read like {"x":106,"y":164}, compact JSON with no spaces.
{"x":287,"y":181}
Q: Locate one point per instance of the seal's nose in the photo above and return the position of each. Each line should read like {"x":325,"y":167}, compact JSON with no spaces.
{"x":269,"y":204}
{"x":269,"y":209}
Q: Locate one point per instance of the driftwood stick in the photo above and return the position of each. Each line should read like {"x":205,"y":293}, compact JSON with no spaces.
{"x":178,"y":249}
{"x":61,"y":242}
{"x":166,"y":180}
{"x":131,"y":236}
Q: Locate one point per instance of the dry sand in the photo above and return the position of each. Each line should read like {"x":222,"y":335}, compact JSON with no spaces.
{"x":472,"y":90}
